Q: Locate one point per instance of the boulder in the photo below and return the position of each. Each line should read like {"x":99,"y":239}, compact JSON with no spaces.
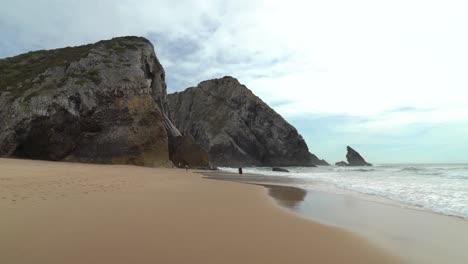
{"x":279,"y":169}
{"x":342,"y":164}
{"x":236,"y":127}
{"x":104,"y":102}
{"x":354,"y":158}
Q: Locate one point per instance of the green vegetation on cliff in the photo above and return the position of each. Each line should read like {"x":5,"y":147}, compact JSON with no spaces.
{"x":20,"y":73}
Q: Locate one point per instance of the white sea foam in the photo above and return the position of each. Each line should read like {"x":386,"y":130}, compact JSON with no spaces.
{"x":436,"y":187}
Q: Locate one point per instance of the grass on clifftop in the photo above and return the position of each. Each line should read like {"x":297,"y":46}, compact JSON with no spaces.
{"x":24,"y":68}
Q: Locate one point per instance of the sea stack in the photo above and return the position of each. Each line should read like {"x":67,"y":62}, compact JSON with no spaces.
{"x":354,"y":159}
{"x":236,"y":127}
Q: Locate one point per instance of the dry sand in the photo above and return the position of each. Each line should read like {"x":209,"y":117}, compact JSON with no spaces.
{"x":54,"y":212}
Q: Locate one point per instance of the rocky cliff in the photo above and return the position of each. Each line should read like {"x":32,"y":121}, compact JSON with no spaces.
{"x":236,"y":127}
{"x":103,"y":102}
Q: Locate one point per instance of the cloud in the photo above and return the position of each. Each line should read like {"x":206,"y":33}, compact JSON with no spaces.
{"x":396,"y":66}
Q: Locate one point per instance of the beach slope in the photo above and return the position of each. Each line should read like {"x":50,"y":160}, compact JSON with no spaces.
{"x":54,"y":212}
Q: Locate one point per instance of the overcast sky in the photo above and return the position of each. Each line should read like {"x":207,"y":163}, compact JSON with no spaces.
{"x":389,"y":78}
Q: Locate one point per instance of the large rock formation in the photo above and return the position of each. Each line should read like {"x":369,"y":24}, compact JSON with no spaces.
{"x":236,"y":127}
{"x":103,"y":102}
{"x":354,"y":159}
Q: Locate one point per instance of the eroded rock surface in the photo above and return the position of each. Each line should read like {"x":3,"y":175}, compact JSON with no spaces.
{"x":236,"y":127}
{"x":104,"y":102}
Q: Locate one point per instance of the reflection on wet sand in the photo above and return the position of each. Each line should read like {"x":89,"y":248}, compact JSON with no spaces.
{"x":288,"y":196}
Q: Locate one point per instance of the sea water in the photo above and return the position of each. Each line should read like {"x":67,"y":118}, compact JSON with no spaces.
{"x":440,"y":188}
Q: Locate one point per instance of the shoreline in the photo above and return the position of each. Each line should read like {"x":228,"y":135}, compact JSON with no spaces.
{"x":330,"y":188}
{"x":402,"y":230}
{"x":85,"y":213}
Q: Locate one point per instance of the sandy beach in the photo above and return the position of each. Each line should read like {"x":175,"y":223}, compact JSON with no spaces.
{"x":55,"y":212}
{"x":418,"y":236}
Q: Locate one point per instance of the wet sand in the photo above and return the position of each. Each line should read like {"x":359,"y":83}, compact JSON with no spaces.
{"x":55,"y":212}
{"x":415,"y":235}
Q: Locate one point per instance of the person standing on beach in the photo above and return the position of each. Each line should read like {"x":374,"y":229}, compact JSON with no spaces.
{"x":240,"y":170}
{"x":186,"y":167}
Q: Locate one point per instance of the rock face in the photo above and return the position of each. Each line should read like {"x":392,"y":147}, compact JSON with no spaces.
{"x":354,"y":158}
{"x":236,"y":127}
{"x":103,"y":102}
{"x":184,"y":151}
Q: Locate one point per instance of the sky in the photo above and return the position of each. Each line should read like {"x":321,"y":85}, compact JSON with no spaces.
{"x":388,"y":78}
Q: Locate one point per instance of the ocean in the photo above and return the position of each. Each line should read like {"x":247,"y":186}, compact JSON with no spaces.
{"x":440,"y":188}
